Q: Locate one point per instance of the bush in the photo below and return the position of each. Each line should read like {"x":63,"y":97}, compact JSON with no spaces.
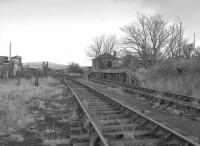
{"x":167,"y":77}
{"x":75,"y":68}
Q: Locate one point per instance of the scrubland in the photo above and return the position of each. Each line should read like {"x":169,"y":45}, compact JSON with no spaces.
{"x":181,"y":77}
{"x":14,"y":101}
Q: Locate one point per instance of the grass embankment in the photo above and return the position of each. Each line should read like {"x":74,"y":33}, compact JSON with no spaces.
{"x":14,"y":112}
{"x":181,"y":77}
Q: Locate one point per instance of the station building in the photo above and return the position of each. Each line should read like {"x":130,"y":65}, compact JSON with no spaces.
{"x":104,"y":61}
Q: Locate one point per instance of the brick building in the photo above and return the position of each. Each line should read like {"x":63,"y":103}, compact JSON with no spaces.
{"x":104,"y":61}
{"x":12,"y":68}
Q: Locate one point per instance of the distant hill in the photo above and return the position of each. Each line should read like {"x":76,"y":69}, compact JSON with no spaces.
{"x":39,"y":65}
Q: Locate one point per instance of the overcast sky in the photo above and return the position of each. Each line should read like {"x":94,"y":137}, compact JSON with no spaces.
{"x":60,"y":31}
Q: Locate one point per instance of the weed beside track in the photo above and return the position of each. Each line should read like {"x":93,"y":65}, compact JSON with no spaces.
{"x":33,"y":116}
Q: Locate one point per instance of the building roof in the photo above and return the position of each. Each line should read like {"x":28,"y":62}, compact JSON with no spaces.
{"x":16,"y":57}
{"x":105,"y":56}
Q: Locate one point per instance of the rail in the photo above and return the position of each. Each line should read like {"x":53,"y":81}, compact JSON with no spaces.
{"x":184,"y":140}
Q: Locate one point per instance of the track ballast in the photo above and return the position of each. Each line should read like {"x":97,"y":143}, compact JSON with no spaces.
{"x":118,"y":125}
{"x":180,"y":102}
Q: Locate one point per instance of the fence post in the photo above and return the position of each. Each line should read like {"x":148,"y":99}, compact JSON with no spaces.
{"x":18,"y":78}
{"x":36,"y":78}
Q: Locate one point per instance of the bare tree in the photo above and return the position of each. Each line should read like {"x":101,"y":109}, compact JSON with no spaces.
{"x":188,"y":50}
{"x":75,"y":68}
{"x":147,"y":36}
{"x":96,"y":48}
{"x":197,"y":52}
{"x":125,"y":51}
{"x":110,"y":44}
{"x":158,"y":35}
{"x":102,"y":45}
{"x":137,"y":37}
{"x":175,"y":41}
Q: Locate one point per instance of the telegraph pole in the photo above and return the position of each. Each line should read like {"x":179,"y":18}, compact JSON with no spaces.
{"x":10,"y":52}
{"x":10,"y":61}
{"x":194,"y":41}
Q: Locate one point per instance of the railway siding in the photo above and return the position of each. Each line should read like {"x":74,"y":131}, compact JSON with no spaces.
{"x":159,"y":113}
{"x":186,"y":107}
{"x":158,"y":132}
{"x":118,"y":78}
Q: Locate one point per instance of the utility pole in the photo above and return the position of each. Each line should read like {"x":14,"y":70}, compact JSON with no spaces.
{"x":194,"y":41}
{"x":36,"y":77}
{"x":10,"y":52}
{"x":10,"y":62}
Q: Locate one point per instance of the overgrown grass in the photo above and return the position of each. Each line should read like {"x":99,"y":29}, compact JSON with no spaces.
{"x":167,"y":77}
{"x":14,"y":100}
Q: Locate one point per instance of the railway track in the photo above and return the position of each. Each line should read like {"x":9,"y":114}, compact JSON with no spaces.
{"x":118,"y":125}
{"x":181,"y":102}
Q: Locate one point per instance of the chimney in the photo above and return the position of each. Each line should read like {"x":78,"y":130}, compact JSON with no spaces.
{"x":10,"y":52}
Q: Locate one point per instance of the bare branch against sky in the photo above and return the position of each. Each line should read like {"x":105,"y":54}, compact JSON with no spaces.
{"x":61,"y":30}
